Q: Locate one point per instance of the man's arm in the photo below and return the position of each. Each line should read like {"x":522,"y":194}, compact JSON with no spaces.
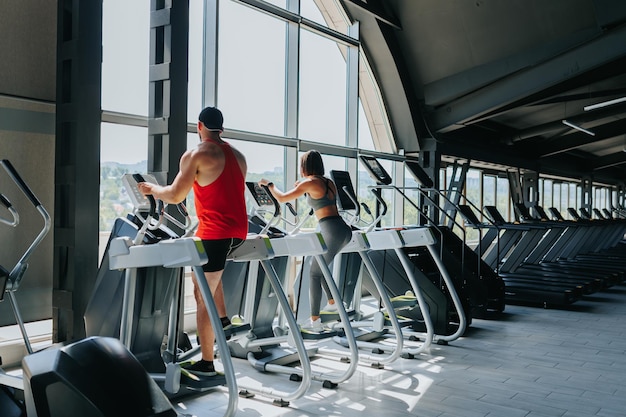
{"x":178,"y":190}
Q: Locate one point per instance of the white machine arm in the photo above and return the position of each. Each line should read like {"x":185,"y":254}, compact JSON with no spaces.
{"x":172,"y":253}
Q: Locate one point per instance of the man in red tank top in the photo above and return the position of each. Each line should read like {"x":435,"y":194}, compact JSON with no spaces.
{"x":216,"y":171}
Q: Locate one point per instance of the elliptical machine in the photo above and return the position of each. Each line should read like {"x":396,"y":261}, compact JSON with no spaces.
{"x":94,"y":376}
{"x":12,"y":386}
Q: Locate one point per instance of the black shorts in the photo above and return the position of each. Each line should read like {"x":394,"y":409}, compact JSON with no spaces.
{"x":218,"y":250}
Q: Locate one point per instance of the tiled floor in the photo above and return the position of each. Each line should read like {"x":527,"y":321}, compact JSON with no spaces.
{"x":528,"y":362}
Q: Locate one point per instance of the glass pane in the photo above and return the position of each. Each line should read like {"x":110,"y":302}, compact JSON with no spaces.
{"x":372,"y":112}
{"x":251,"y":87}
{"x":564,"y":197}
{"x":504,"y":199}
{"x":279,"y":3}
{"x":125,"y":56}
{"x":547,"y":193}
{"x":556,"y":196}
{"x":410,"y":212}
{"x":322,"y":90}
{"x":472,"y":187}
{"x":194,"y":89}
{"x":309,"y":10}
{"x":364,"y":132}
{"x":489,"y":194}
{"x":123,"y":149}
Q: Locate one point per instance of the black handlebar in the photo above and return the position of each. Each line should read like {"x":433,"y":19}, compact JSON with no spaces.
{"x":20,"y":182}
{"x":276,"y":203}
{"x":5,"y":201}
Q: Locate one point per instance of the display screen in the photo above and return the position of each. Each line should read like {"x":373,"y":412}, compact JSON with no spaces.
{"x":376,"y":170}
{"x":418,"y":173}
{"x":260,"y":194}
{"x":341,"y":180}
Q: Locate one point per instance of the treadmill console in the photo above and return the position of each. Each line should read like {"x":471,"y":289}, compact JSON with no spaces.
{"x":522,"y":211}
{"x":418,"y":173}
{"x":598,"y":214}
{"x":376,"y":170}
{"x":138,"y":200}
{"x":495,"y":215}
{"x":341,"y":180}
{"x":259,"y":194}
{"x":468,"y":213}
{"x":541,"y":213}
{"x":572,"y":212}
{"x":261,"y":197}
{"x":584,"y":213}
{"x":556,"y":214}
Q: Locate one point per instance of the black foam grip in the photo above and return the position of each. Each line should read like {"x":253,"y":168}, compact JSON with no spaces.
{"x":20,"y":182}
{"x":5,"y":201}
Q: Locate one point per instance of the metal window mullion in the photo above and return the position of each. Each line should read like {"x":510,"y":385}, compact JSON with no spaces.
{"x":210,"y":53}
{"x":398,"y":199}
{"x":292,"y":14}
{"x":158,"y":123}
{"x":352,"y":90}
{"x":292,"y":69}
{"x":167,"y":114}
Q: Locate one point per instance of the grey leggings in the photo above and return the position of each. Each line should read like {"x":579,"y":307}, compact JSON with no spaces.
{"x":336,"y":234}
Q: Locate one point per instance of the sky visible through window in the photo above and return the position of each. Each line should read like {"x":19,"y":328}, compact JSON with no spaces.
{"x":251,"y":77}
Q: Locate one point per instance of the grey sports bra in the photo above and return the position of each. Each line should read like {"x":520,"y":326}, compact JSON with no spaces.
{"x":324,"y":201}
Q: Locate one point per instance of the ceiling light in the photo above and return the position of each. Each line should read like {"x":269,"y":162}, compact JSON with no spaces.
{"x":604,"y":104}
{"x":573,"y":126}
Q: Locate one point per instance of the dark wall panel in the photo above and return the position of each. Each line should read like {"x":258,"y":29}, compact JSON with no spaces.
{"x":28,"y":48}
{"x":27,"y":141}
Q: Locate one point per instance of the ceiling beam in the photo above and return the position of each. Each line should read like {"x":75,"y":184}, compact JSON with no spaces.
{"x":607,"y":161}
{"x":519,"y":85}
{"x":443,"y":90}
{"x":582,"y":118}
{"x":576,"y":140}
{"x":375,"y":10}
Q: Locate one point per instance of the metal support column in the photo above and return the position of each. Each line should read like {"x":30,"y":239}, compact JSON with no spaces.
{"x":167,"y":109}
{"x":454,"y":193}
{"x":586,"y":195}
{"x":77,"y":164}
{"x":430,"y":161}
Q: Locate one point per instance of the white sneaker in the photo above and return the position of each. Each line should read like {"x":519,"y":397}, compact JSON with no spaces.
{"x":313,"y":326}
{"x":330,"y":308}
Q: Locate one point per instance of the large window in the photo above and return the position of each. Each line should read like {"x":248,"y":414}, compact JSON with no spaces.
{"x":247,"y":68}
{"x":546,"y":199}
{"x":196,"y":28}
{"x":322,"y":105}
{"x":125,"y":54}
{"x":503,"y":203}
{"x":123,"y":150}
{"x":251,"y":69}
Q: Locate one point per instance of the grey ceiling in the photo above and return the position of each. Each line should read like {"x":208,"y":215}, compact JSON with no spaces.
{"x":492,"y":80}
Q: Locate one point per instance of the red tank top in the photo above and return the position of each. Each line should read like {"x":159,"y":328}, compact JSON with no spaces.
{"x":221,"y":205}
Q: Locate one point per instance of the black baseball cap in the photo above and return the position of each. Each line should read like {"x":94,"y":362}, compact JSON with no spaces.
{"x":212,"y":118}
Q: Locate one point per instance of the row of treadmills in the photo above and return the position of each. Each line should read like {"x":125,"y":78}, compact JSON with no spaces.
{"x":548,"y":260}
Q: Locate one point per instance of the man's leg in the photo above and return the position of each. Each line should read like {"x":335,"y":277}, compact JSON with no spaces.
{"x":205,"y":329}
